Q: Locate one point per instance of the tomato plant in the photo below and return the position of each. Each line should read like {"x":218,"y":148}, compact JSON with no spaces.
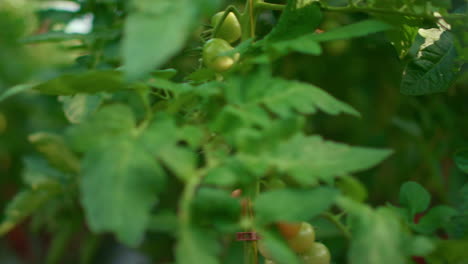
{"x":240,"y":131}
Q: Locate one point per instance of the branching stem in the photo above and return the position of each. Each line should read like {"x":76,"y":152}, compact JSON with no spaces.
{"x":334,"y":220}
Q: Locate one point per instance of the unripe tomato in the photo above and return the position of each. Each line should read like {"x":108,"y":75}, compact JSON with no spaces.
{"x":303,"y":240}
{"x":318,"y":253}
{"x":230,"y":30}
{"x":211,"y":55}
{"x":288,"y":230}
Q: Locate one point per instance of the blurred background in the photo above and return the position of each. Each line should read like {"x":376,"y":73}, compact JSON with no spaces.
{"x":423,"y":131}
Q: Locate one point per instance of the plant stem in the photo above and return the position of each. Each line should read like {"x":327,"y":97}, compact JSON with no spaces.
{"x":269,"y":6}
{"x":334,"y":220}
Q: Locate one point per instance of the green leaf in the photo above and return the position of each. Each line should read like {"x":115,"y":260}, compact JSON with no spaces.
{"x":402,"y":39}
{"x":293,"y":205}
{"x":277,"y":248}
{"x":301,"y":45}
{"x":310,"y":159}
{"x":450,"y":251}
{"x":458,"y":227}
{"x":437,"y":217}
{"x":359,"y":29}
{"x":79,"y":107}
{"x":461,"y":159}
{"x":162,"y":138}
{"x":352,"y":187}
{"x":37,"y":173}
{"x":120,"y":181}
{"x":165,"y":221}
{"x":110,"y":121}
{"x":298,"y":18}
{"x":55,"y":150}
{"x":249,"y":95}
{"x":196,"y":246}
{"x":16,"y":90}
{"x":414,"y":197}
{"x":23,"y":205}
{"x":88,"y":82}
{"x":433,"y":70}
{"x":153,"y":33}
{"x":377,"y":237}
{"x":55,"y":36}
{"x":216,"y":207}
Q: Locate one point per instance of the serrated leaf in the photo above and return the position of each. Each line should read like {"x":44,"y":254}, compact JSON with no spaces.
{"x":55,"y":150}
{"x":298,"y":18}
{"x":434,"y":70}
{"x":437,"y":217}
{"x":461,"y":159}
{"x":310,"y":159}
{"x":273,"y":206}
{"x":248,"y":96}
{"x":196,"y":246}
{"x":23,"y":205}
{"x":88,"y":82}
{"x":119,"y":186}
{"x":414,"y":197}
{"x":79,"y":107}
{"x":147,"y":42}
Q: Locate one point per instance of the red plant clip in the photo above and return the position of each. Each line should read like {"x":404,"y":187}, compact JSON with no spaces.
{"x":247,"y":236}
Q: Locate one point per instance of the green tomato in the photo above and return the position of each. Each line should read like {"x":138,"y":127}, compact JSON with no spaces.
{"x":303,"y":240}
{"x":318,"y":253}
{"x":211,"y":55}
{"x":230,"y":30}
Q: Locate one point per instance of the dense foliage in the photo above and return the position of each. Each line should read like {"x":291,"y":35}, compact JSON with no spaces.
{"x":167,"y":128}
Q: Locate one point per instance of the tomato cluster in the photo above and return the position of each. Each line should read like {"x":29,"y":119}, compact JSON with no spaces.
{"x":300,"y":237}
{"x":214,"y":51}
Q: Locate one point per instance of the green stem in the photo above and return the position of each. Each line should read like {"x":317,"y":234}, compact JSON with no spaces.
{"x":334,"y":220}
{"x":352,"y":9}
{"x":185,"y":211}
{"x":269,"y":6}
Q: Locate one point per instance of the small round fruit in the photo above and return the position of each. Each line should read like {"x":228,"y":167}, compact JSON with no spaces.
{"x":303,"y":240}
{"x":318,"y":253}
{"x":288,"y":229}
{"x":230,"y":30}
{"x":211,"y":55}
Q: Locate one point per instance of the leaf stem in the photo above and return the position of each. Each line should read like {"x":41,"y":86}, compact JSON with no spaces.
{"x":334,"y":220}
